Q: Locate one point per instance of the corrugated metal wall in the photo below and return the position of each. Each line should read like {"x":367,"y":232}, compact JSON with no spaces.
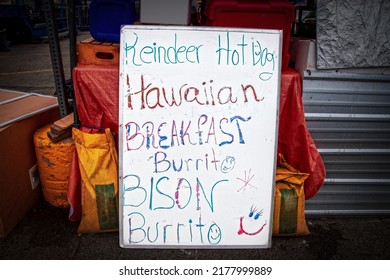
{"x":348,"y":116}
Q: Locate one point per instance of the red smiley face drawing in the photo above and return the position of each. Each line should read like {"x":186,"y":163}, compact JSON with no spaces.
{"x":254,"y":215}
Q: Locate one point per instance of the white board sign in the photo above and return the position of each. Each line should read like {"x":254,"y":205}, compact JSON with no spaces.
{"x":198,"y":136}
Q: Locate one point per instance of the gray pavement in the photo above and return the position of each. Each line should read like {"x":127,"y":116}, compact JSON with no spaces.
{"x":46,"y":232}
{"x":27,"y":67}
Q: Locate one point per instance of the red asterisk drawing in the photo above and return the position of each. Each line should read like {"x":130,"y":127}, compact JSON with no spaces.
{"x":247,"y":178}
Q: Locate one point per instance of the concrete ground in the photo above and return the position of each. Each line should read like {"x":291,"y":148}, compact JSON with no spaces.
{"x":46,"y":232}
{"x":27,"y":67}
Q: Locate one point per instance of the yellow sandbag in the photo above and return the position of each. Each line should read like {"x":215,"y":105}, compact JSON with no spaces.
{"x":98,"y":163}
{"x":54,"y":161}
{"x":289,"y":202}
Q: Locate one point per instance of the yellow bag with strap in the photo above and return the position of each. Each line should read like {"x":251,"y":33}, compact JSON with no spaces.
{"x":289,"y":201}
{"x":98,"y":164}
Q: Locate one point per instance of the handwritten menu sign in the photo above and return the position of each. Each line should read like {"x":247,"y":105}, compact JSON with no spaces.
{"x":198,"y":136}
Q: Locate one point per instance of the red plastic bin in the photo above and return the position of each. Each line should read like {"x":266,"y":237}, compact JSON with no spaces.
{"x":263,"y":14}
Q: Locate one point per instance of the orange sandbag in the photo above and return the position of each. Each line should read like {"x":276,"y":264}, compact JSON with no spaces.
{"x":98,"y":163}
{"x":289,"y":201}
{"x":54,"y":161}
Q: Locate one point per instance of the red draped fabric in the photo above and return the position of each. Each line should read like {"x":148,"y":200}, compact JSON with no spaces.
{"x":97,"y":95}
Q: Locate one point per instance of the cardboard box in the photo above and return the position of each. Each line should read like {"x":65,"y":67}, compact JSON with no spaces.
{"x":165,"y":12}
{"x":21,"y":115}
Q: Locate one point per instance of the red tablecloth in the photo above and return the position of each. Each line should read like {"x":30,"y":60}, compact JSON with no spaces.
{"x":295,"y":141}
{"x":97,"y":95}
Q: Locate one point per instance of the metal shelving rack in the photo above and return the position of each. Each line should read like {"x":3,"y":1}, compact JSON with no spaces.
{"x":61,"y":86}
